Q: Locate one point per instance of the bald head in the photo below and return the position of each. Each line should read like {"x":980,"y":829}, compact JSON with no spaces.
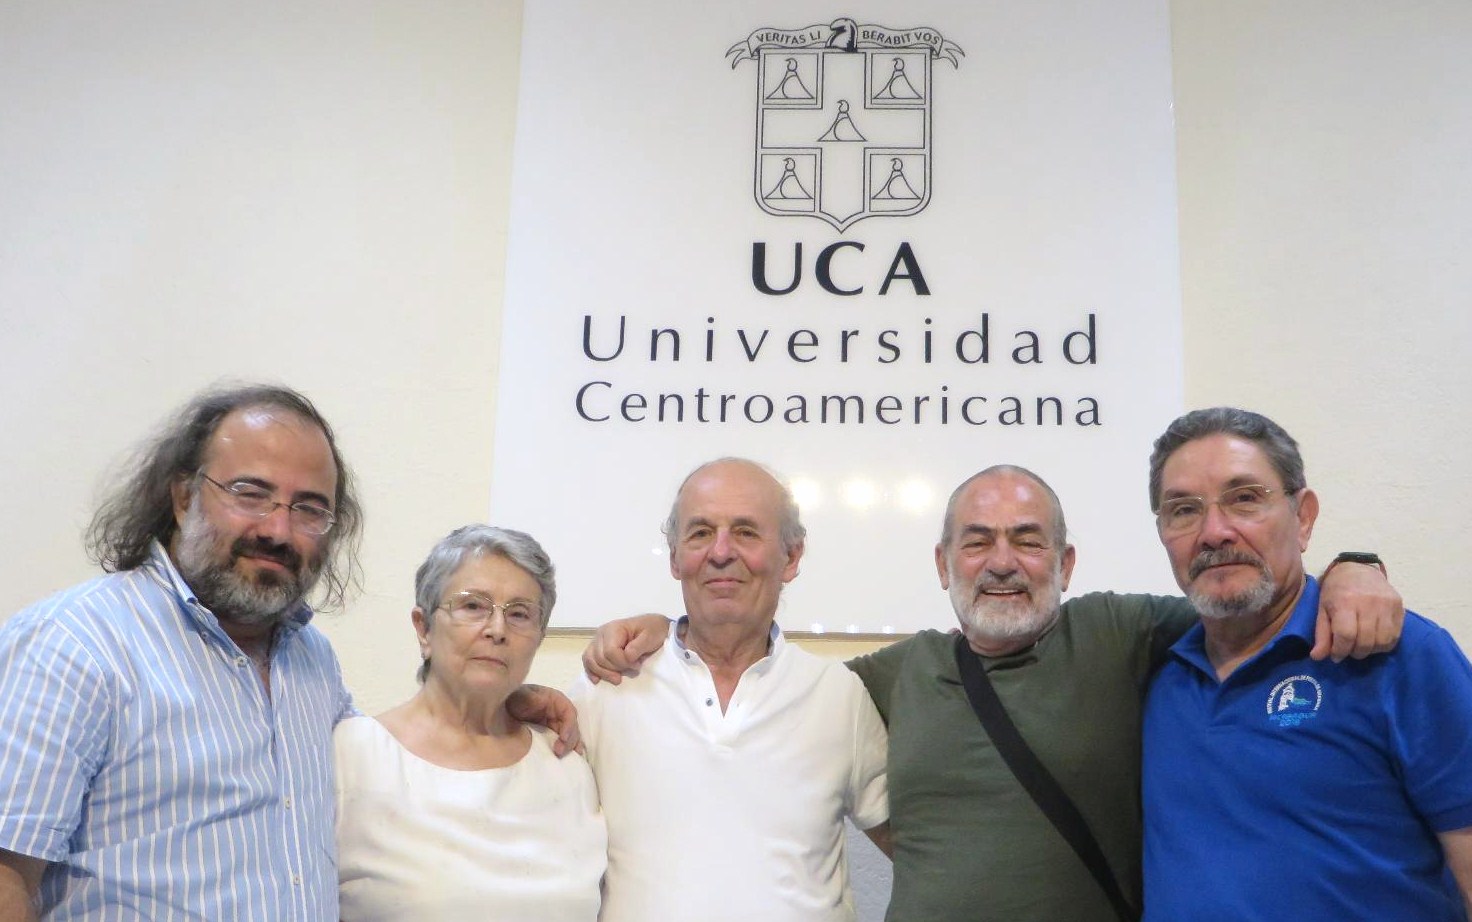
{"x":791,"y":531}
{"x":1059,"y":533}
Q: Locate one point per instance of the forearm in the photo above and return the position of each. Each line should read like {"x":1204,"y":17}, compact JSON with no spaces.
{"x":1457,"y":846}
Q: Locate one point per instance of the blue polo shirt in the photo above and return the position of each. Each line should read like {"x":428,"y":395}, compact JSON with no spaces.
{"x":1307,"y":790}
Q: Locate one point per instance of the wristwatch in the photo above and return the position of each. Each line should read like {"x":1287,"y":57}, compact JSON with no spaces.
{"x":1365,"y":557}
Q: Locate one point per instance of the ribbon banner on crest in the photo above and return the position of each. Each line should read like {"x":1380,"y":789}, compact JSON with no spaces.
{"x":843,"y":35}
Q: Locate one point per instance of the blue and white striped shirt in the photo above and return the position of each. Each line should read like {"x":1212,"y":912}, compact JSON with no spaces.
{"x":140,"y":754}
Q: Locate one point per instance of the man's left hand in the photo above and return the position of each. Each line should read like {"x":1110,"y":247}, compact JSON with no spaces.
{"x":1360,"y":613}
{"x":549,"y":708}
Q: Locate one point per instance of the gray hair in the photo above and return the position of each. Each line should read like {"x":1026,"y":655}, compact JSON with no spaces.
{"x":790,"y":530}
{"x":948,"y":524}
{"x":1277,"y":444}
{"x":459,"y":546}
{"x":140,"y":508}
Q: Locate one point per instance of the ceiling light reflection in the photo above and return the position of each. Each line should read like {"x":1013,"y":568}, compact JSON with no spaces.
{"x":808,"y":493}
{"x":916,"y":496}
{"x":860,"y":494}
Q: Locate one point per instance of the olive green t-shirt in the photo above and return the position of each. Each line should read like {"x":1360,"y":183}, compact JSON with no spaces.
{"x":969,"y":843}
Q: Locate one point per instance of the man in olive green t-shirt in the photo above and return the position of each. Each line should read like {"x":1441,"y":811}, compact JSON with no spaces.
{"x":969,"y":842}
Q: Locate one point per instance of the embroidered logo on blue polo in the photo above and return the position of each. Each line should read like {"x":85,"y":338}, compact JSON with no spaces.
{"x":1294,"y":700}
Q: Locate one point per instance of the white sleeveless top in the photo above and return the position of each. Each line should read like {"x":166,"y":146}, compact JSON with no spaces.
{"x":415,"y":841}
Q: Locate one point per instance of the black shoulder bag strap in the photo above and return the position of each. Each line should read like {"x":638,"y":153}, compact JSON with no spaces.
{"x":1034,"y":777}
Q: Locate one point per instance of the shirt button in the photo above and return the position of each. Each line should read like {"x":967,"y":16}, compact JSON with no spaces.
{"x":242,"y":661}
{"x":687,"y":654}
{"x":709,"y":702}
{"x":287,"y":803}
{"x":296,"y":880}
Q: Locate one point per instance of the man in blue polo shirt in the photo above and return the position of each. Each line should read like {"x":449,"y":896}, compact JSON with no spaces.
{"x":1277,"y":786}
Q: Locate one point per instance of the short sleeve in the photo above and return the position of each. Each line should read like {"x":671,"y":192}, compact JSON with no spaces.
{"x":1171,"y":616}
{"x":879,"y":671}
{"x":346,"y":708}
{"x":55,"y":704}
{"x":1431,"y":726}
{"x":870,"y":805}
{"x":1151,"y":623}
{"x":584,"y":694}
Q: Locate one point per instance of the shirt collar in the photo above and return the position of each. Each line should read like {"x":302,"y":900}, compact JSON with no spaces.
{"x":162,"y":566}
{"x":1297,"y":631}
{"x":1304,"y":620}
{"x":776,"y":642}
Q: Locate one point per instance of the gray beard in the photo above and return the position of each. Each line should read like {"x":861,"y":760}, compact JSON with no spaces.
{"x":1246,"y":603}
{"x":1249,"y":602}
{"x":228,"y":595}
{"x":999,"y":622}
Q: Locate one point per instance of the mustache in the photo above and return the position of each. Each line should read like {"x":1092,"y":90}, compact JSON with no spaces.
{"x":1220,"y":556}
{"x":263,"y":547}
{"x":1011,"y":584}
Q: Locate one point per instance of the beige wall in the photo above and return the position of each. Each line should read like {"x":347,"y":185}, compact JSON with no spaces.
{"x":189,"y":191}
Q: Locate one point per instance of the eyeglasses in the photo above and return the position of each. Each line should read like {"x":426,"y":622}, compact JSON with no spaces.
{"x":1180,"y":515}
{"x":469,"y":607}
{"x":249,"y":499}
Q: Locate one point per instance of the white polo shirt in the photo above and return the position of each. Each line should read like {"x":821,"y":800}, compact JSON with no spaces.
{"x":734,"y":816}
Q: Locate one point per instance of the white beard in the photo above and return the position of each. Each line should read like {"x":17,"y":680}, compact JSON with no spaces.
{"x":997,"y":620}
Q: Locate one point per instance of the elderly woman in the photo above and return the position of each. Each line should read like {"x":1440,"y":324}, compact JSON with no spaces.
{"x":448,"y":807}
